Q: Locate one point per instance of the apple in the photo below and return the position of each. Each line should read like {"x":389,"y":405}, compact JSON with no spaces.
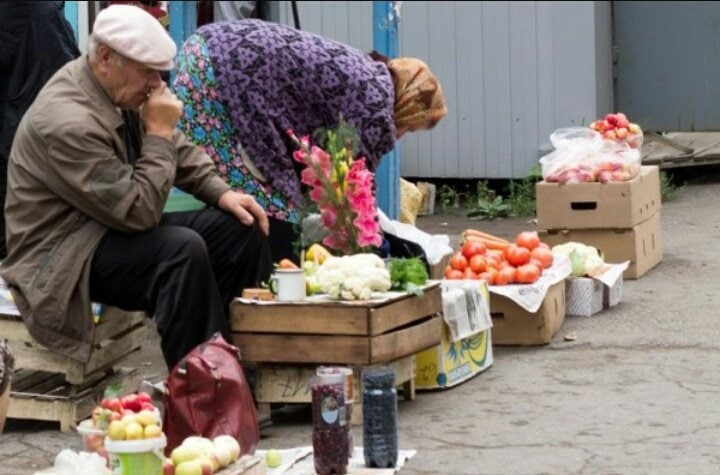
{"x":201,"y":444}
{"x":231,"y":443}
{"x":610,"y":134}
{"x":112,"y":404}
{"x":131,"y":402}
{"x":168,"y":467}
{"x":116,"y":430}
{"x":273,"y":458}
{"x":147,"y":406}
{"x":621,"y":132}
{"x":144,"y":397}
{"x":191,"y":467}
{"x":223,"y":454}
{"x":182,"y":454}
{"x":134,"y":431}
{"x":146,"y":417}
{"x":152,"y":431}
{"x":212,"y":460}
{"x":128,"y":417}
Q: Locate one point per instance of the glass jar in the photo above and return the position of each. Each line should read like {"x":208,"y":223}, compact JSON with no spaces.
{"x":330,"y":429}
{"x":380,"y":440}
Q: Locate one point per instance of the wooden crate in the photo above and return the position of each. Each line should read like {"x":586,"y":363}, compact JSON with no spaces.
{"x":117,"y":334}
{"x":338,"y":332}
{"x":291,"y":384}
{"x":44,"y":396}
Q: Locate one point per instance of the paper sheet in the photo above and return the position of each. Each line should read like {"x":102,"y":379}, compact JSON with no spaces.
{"x":299,"y":461}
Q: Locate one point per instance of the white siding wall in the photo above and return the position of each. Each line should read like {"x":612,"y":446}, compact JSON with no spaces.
{"x":512,"y":73}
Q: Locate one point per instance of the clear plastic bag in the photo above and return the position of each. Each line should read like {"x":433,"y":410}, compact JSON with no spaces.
{"x":581,"y":155}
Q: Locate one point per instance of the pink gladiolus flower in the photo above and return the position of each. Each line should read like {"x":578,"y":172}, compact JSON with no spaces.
{"x":342,"y":188}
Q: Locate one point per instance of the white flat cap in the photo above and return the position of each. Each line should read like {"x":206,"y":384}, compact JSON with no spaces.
{"x":136,"y":34}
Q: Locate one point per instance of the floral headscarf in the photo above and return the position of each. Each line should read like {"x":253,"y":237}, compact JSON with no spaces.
{"x":419,"y":99}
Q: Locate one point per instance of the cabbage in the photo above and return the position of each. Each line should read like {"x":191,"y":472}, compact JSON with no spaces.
{"x":585,"y":260}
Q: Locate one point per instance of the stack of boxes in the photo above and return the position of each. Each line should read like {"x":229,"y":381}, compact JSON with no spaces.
{"x":621,"y":219}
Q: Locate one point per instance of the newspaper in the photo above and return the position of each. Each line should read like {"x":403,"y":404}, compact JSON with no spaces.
{"x":299,"y":461}
{"x":466,"y":310}
{"x":612,"y":273}
{"x":531,"y":296}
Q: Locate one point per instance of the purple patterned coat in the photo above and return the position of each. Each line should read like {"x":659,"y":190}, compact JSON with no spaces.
{"x":272,"y":78}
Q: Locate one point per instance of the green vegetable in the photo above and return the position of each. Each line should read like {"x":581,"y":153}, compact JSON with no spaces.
{"x":408,"y":275}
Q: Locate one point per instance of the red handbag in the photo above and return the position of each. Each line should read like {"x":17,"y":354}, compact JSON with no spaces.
{"x":207,"y":395}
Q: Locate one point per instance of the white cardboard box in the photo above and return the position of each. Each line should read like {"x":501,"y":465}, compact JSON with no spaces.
{"x":587,"y":296}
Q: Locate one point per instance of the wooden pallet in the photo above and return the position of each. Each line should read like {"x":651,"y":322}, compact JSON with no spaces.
{"x":118,"y":334}
{"x":291,"y":384}
{"x":44,"y":396}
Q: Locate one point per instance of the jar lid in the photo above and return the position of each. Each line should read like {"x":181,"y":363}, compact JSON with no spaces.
{"x":381,"y":377}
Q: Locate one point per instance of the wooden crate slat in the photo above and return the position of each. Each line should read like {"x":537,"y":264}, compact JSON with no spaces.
{"x":32,"y":379}
{"x":406,"y":341}
{"x":120,"y":347}
{"x":71,"y":409}
{"x":284,"y":348}
{"x":35,"y":356}
{"x":113,"y":324}
{"x":402,"y":312}
{"x":346,"y":320}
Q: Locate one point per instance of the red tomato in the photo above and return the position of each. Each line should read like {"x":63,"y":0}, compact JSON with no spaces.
{"x":542,"y":255}
{"x":505,"y":276}
{"x":478,"y":263}
{"x":492,"y":262}
{"x":528,"y":240}
{"x":473,"y":248}
{"x":496,"y":253}
{"x":492,"y":275}
{"x":517,"y":255}
{"x":458,"y":262}
{"x":527,"y":274}
{"x":453,"y":274}
{"x":469,"y":274}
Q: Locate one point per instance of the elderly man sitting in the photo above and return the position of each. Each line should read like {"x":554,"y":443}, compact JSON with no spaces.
{"x":90,"y":169}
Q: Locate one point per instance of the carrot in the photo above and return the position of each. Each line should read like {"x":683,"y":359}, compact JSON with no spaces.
{"x":489,"y":243}
{"x":480,"y":234}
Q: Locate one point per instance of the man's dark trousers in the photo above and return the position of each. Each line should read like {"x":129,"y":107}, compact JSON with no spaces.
{"x":185,"y":273}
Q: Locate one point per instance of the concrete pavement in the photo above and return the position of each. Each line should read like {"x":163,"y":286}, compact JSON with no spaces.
{"x":636,"y":393}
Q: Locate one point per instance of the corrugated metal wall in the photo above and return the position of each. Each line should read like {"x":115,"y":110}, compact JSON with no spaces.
{"x":512,"y":73}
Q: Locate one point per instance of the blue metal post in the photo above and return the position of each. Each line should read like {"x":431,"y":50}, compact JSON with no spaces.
{"x":183,"y":20}
{"x":387,"y":175}
{"x":70,"y":9}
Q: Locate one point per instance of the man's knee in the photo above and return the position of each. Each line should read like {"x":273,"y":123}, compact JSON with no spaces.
{"x":185,"y":243}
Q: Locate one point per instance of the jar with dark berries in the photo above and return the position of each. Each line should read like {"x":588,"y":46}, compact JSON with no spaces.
{"x":380,"y":439}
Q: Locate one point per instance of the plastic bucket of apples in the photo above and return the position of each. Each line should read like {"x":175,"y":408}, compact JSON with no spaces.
{"x":136,"y":457}
{"x":135,"y":444}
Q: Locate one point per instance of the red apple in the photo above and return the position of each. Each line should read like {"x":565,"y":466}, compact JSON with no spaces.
{"x":611,"y":119}
{"x":131,"y":402}
{"x":144,"y":397}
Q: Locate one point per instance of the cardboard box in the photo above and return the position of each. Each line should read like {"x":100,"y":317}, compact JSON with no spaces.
{"x":513,"y":325}
{"x":586,"y":297}
{"x":641,"y":245}
{"x":337,"y":332}
{"x":450,"y":363}
{"x":599,"y":205}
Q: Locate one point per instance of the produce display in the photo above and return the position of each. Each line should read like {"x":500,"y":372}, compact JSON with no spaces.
{"x":618,"y":127}
{"x":202,"y":456}
{"x":607,"y":151}
{"x":498,"y":261}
